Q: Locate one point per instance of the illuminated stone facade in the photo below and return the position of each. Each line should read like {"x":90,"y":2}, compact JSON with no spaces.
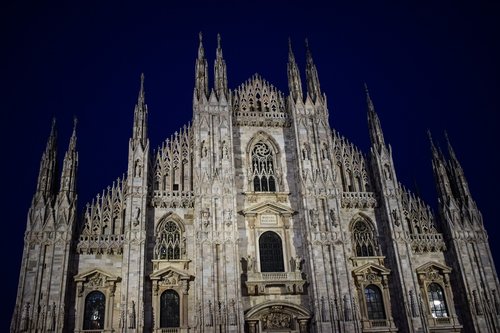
{"x":256,"y":217}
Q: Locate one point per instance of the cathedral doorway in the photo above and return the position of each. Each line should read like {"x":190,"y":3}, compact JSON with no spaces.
{"x":277,"y":317}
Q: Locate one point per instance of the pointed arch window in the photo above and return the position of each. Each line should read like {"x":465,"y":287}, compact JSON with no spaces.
{"x":271,"y":252}
{"x":437,"y":302}
{"x":374,"y":303}
{"x":169,"y":309}
{"x":263,"y":168}
{"x":95,"y":304}
{"x":363,"y":239}
{"x":169,"y":244}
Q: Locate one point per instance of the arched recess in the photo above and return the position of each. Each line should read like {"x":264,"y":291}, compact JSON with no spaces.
{"x":271,"y":252}
{"x":272,"y":316}
{"x":264,"y":165}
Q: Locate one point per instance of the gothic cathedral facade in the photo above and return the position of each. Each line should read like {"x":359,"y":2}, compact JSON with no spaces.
{"x":255,"y":217}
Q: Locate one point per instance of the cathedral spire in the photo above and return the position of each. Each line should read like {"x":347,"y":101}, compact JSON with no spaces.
{"x":313,"y":88}
{"x":457,"y":172}
{"x":376,"y":134}
{"x":46,"y":177}
{"x":140,"y":132}
{"x":70,"y":164}
{"x":440,"y":173}
{"x":201,"y":72}
{"x":220,"y":71}
{"x":294,"y":82}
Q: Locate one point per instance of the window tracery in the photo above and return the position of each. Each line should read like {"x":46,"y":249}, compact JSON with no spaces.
{"x":263,"y":168}
{"x":363,"y":238}
{"x":169,"y":242}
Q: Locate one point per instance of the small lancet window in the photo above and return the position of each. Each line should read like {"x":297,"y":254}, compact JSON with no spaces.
{"x":263,"y":168}
{"x":437,"y":302}
{"x":168,"y":242}
{"x":95,"y":303}
{"x":374,"y":303}
{"x":363,"y":239}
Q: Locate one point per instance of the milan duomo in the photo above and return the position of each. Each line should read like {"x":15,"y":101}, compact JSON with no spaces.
{"x":255,"y":217}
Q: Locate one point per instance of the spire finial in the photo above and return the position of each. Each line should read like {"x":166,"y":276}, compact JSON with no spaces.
{"x":369,"y":101}
{"x":307,"y":44}
{"x":200,"y":36}
{"x":75,"y":122}
{"x":218,"y":40}
{"x":141,"y":90}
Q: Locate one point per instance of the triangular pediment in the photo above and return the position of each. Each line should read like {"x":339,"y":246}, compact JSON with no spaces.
{"x":96,"y":273}
{"x":268,"y":207}
{"x":432,"y":265}
{"x":371,"y":268}
{"x":170,"y":271}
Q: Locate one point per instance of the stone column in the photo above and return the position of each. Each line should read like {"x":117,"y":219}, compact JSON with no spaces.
{"x":252,"y":326}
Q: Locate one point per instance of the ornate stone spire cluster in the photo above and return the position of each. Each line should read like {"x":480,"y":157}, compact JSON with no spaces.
{"x":452,"y":187}
{"x":103,"y":221}
{"x":70,"y":165}
{"x":313,"y":87}
{"x":294,"y":81}
{"x":202,"y":90}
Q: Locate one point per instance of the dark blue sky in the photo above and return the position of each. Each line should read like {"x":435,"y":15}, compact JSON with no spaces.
{"x":433,"y":66}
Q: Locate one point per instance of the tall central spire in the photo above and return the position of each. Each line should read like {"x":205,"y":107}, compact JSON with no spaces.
{"x":294,"y":82}
{"x":46,"y":176}
{"x":220,"y":71}
{"x":201,"y":72}
{"x":313,"y":87}
{"x":140,"y":132}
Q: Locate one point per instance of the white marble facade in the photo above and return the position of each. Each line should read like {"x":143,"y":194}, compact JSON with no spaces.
{"x":256,"y":217}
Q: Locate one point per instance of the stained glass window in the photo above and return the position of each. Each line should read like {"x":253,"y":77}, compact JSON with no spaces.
{"x":437,"y":303}
{"x":169,"y":309}
{"x":95,"y":303}
{"x":271,"y":253}
{"x":374,"y":303}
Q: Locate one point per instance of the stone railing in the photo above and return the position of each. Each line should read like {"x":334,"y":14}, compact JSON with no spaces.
{"x":99,"y":244}
{"x":358,"y":200}
{"x":173,"y":199}
{"x":421,"y":243}
{"x":275,"y":283}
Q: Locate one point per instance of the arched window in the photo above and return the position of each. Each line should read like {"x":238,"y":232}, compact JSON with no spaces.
{"x":437,"y":303}
{"x":271,"y":253}
{"x":374,"y":303}
{"x":95,"y":303}
{"x":363,"y":239}
{"x":169,"y":309}
{"x":263,"y":168}
{"x":168,"y":242}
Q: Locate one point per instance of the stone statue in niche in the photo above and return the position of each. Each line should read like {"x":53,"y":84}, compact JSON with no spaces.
{"x":205,"y":217}
{"x":250,"y":264}
{"x":131,"y":316}
{"x":137,"y":214}
{"x":395,"y":217}
{"x":137,"y":169}
{"x":298,"y":261}
{"x":332,"y":218}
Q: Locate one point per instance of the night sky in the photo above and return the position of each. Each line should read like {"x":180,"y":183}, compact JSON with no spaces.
{"x":427,"y":67}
